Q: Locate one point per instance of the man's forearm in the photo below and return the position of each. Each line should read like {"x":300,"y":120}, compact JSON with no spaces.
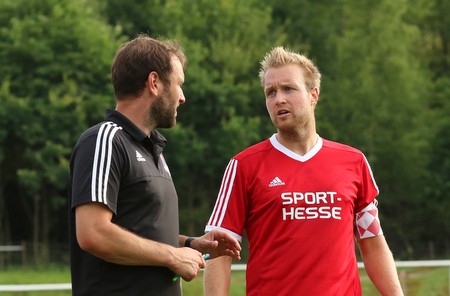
{"x":380,"y":266}
{"x":217,"y":276}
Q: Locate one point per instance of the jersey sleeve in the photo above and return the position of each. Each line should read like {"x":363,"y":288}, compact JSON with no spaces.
{"x":367,"y":188}
{"x":230,"y":207}
{"x":367,"y":222}
{"x":96,"y":169}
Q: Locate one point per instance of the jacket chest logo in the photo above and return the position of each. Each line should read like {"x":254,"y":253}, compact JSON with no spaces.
{"x":139,"y":157}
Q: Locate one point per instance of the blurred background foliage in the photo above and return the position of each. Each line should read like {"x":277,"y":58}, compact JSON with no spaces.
{"x":385,"y":90}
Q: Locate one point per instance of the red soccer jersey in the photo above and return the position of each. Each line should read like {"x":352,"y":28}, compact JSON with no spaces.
{"x":298,"y":213}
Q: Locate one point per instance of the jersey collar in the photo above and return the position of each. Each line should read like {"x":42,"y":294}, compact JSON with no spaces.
{"x":277,"y":145}
{"x":155,"y":142}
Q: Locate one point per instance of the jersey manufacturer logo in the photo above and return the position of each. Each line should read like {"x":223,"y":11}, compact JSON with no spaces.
{"x":139,"y":157}
{"x":276,"y":182}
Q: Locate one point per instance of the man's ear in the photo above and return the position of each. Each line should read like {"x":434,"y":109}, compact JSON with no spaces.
{"x":154,"y":83}
{"x":314,"y":96}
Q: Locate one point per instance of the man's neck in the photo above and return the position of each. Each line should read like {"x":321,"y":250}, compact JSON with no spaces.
{"x":300,"y":143}
{"x":136,"y":111}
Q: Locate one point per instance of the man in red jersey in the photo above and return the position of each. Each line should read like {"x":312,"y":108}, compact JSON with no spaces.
{"x":301,"y":200}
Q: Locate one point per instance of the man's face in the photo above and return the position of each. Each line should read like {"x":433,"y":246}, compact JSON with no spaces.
{"x":164,"y":109}
{"x":289,"y":103}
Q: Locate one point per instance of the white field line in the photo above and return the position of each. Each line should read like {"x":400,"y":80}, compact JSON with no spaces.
{"x":36,"y":287}
{"x":234,"y":267}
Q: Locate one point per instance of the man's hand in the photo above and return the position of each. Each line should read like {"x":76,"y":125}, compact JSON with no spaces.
{"x":187,"y":263}
{"x":217,"y":243}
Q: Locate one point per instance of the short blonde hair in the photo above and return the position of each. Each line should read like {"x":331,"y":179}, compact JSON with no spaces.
{"x":279,"y":56}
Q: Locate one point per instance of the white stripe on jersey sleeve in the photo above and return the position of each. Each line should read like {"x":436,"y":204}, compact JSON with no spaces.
{"x":224,"y":194}
{"x":235,"y":235}
{"x":103,"y":153}
{"x":230,"y":183}
{"x":371,"y":174}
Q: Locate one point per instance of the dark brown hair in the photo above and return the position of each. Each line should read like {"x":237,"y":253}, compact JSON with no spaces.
{"x":137,"y":58}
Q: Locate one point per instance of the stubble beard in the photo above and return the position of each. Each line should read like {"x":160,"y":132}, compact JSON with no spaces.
{"x":161,"y":114}
{"x":298,"y":125}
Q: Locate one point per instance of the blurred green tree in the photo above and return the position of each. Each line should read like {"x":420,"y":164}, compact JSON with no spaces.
{"x":56,"y":56}
{"x":432,"y":18}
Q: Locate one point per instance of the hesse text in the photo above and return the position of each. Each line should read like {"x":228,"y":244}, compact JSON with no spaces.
{"x":314,"y":205}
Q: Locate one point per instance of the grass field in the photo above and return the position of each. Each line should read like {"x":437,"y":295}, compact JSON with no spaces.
{"x":415,"y":281}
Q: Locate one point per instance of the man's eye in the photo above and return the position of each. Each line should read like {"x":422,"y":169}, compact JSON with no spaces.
{"x":270,"y":93}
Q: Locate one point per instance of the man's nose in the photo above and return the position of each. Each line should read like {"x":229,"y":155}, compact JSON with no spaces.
{"x":182,"y":98}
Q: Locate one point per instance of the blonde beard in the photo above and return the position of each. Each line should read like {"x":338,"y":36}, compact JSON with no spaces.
{"x":301,"y":128}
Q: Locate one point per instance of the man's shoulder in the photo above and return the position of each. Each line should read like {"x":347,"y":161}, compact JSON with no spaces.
{"x":105,"y":128}
{"x":340,"y":147}
{"x":254,"y":150}
{"x":102,"y":134}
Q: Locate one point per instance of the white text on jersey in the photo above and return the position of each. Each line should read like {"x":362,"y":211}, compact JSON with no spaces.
{"x":326,"y":210}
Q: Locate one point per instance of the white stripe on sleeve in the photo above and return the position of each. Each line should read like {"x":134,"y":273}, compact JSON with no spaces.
{"x":224,"y":194}
{"x":102,"y":161}
{"x":371,"y":175}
